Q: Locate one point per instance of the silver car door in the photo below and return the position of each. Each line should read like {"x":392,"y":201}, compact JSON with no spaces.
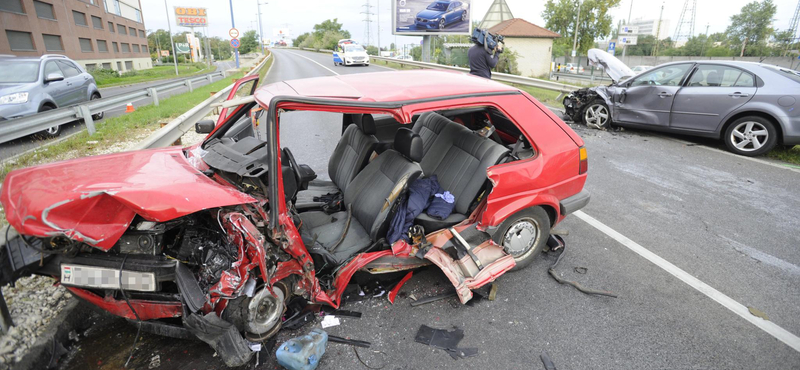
{"x":712,"y":92}
{"x":56,"y":89}
{"x":647,"y":99}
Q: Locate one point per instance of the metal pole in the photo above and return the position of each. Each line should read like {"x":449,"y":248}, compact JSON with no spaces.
{"x":171,"y":41}
{"x":208,"y":48}
{"x":625,"y":47}
{"x":233,"y":25}
{"x":260,"y":32}
{"x":379,"y":26}
{"x":577,"y":27}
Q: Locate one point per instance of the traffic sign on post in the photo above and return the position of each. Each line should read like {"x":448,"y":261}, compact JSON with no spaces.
{"x":235,"y":43}
{"x":611,"y":46}
{"x":233,"y":33}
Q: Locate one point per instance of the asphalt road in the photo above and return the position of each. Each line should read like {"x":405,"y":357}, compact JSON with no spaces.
{"x":727,"y":225}
{"x":20,"y":145}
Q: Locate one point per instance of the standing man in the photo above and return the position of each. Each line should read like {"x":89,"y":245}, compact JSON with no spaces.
{"x":481,"y":61}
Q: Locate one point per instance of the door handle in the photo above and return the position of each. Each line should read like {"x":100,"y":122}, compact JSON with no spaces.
{"x":738,"y":95}
{"x":86,"y":78}
{"x":664,"y":94}
{"x":69,"y":83}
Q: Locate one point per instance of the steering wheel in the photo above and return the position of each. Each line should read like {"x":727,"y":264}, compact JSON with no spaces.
{"x":293,"y":164}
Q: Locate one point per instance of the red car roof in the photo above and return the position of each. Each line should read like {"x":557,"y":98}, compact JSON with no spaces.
{"x":384,"y":86}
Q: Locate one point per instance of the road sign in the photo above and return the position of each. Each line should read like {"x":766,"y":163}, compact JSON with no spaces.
{"x":628,"y":30}
{"x":628,"y":40}
{"x":191,"y":17}
{"x":233,"y":33}
{"x":182,"y":48}
{"x":235,"y":43}
{"x":611,"y":46}
{"x":164,"y":53}
{"x":573,"y":53}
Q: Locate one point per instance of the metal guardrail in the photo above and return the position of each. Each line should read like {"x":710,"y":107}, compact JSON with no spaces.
{"x":504,"y":77}
{"x":579,"y":76}
{"x":24,"y":126}
{"x":173,"y":131}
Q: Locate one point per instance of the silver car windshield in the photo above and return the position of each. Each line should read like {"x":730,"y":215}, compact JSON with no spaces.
{"x":18,"y":72}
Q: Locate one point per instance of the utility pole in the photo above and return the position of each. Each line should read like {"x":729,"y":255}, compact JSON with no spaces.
{"x":233,"y":25}
{"x":658,"y":32}
{"x":171,"y":41}
{"x":261,"y":33}
{"x":367,"y":20}
{"x":625,"y":47}
{"x":793,"y":25}
{"x":379,"y":26}
{"x":703,"y":49}
{"x":577,"y":27}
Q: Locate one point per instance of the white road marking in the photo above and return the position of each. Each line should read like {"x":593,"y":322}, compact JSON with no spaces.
{"x":314,"y":61}
{"x":768,"y":326}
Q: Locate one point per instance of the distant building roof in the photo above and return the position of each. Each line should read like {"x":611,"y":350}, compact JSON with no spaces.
{"x":519,"y":27}
{"x":498,"y":12}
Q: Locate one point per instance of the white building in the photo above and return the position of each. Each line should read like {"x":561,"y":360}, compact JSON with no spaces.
{"x":650,"y":27}
{"x":534,"y":45}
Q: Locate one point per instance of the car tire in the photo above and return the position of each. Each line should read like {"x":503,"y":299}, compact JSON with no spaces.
{"x":97,"y":116}
{"x":464,"y":16}
{"x":524,"y":235}
{"x":596,"y":115}
{"x":751,"y":136}
{"x":52,"y":131}
{"x":441,"y":24}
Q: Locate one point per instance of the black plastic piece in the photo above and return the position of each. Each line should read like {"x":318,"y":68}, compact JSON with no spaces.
{"x":204,"y":126}
{"x":192,"y":294}
{"x":165,"y":330}
{"x":446,"y":340}
{"x":352,"y":342}
{"x":142,"y":241}
{"x":17,"y":257}
{"x":222,"y":336}
{"x":247,"y":157}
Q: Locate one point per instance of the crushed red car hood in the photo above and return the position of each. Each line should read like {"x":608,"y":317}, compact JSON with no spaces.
{"x":95,"y":199}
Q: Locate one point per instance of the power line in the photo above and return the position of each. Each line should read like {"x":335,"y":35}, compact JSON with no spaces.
{"x":685,"y":29}
{"x":367,"y":20}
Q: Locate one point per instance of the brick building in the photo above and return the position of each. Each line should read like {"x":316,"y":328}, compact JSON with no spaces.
{"x":95,"y":33}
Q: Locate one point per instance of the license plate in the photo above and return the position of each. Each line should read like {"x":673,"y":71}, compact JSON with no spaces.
{"x":106,"y":278}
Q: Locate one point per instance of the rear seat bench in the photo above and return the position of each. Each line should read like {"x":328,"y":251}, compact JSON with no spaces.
{"x":459,"y":159}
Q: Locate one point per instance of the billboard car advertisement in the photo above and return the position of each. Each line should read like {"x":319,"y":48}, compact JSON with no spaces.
{"x":191,"y":17}
{"x":425,"y":17}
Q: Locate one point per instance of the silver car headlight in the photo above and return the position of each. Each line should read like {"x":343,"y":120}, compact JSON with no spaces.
{"x":16,"y":98}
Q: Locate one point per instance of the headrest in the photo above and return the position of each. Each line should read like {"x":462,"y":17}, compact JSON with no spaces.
{"x":713,"y":79}
{"x":409,"y":144}
{"x":365,"y":122}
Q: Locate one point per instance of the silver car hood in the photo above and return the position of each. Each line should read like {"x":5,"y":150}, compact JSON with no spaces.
{"x":613,"y":66}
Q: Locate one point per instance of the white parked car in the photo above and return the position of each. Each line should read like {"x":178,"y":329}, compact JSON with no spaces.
{"x":640,"y":69}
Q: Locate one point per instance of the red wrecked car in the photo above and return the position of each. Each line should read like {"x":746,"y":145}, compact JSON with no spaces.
{"x":218,"y":236}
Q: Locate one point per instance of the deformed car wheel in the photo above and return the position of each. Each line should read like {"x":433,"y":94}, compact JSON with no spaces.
{"x":596,"y":115}
{"x":523,"y":235}
{"x":751,"y":136}
{"x":264,"y":312}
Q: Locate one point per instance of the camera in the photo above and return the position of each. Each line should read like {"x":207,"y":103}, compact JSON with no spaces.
{"x":483,"y":37}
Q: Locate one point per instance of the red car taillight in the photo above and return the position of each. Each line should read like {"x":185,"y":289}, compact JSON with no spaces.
{"x":583,"y":165}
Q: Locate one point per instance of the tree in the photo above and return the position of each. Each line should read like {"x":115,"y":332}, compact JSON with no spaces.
{"x":330,"y":25}
{"x":299,"y":40}
{"x":372,"y":50}
{"x":752,"y":26}
{"x":249,"y":42}
{"x":595,"y":22}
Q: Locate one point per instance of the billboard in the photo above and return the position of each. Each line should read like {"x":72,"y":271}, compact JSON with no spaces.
{"x":426,"y":17}
{"x":182,"y":48}
{"x":191,"y":17}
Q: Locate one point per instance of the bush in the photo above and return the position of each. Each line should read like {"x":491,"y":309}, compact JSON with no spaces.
{"x":508,"y":62}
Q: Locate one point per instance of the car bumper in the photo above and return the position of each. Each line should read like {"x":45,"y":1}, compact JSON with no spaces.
{"x":351,"y":62}
{"x":427,"y":25}
{"x":575,"y":202}
{"x":11,"y":111}
{"x":791,"y":130}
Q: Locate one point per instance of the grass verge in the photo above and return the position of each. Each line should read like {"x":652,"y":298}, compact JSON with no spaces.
{"x":262,"y":74}
{"x":107,"y":78}
{"x":114,"y":134}
{"x":790,"y":155}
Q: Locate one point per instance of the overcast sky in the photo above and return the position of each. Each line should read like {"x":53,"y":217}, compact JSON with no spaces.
{"x":301,"y":15}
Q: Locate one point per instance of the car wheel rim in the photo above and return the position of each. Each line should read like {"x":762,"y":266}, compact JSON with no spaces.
{"x":441,"y":24}
{"x":749,"y":136}
{"x":97,"y":116}
{"x":52,"y":130}
{"x":264,"y":311}
{"x":463,"y":16}
{"x":596,"y":115}
{"x":521,"y":237}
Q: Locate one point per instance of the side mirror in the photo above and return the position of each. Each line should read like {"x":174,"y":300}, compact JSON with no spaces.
{"x":205,"y":126}
{"x":53,"y":77}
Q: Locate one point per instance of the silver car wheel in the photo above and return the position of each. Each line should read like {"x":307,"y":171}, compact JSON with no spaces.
{"x":441,"y":24}
{"x":749,"y":136}
{"x":521,"y":237}
{"x":464,"y":16}
{"x":52,"y":130}
{"x":596,"y":116}
{"x":264,"y":312}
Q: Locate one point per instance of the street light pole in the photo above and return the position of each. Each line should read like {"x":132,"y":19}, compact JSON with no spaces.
{"x":233,"y":25}
{"x":625,"y":47}
{"x":577,"y":27}
{"x":169,"y":26}
{"x":260,"y":33}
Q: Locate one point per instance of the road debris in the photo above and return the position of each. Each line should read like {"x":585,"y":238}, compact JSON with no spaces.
{"x":446,"y":340}
{"x":330,"y":320}
{"x":363,"y":362}
{"x":548,"y":364}
{"x":352,"y":342}
{"x":435,"y":298}
{"x":560,"y":280}
{"x":396,"y":289}
{"x":758,"y":313}
{"x":493,"y":292}
{"x":303,"y":353}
